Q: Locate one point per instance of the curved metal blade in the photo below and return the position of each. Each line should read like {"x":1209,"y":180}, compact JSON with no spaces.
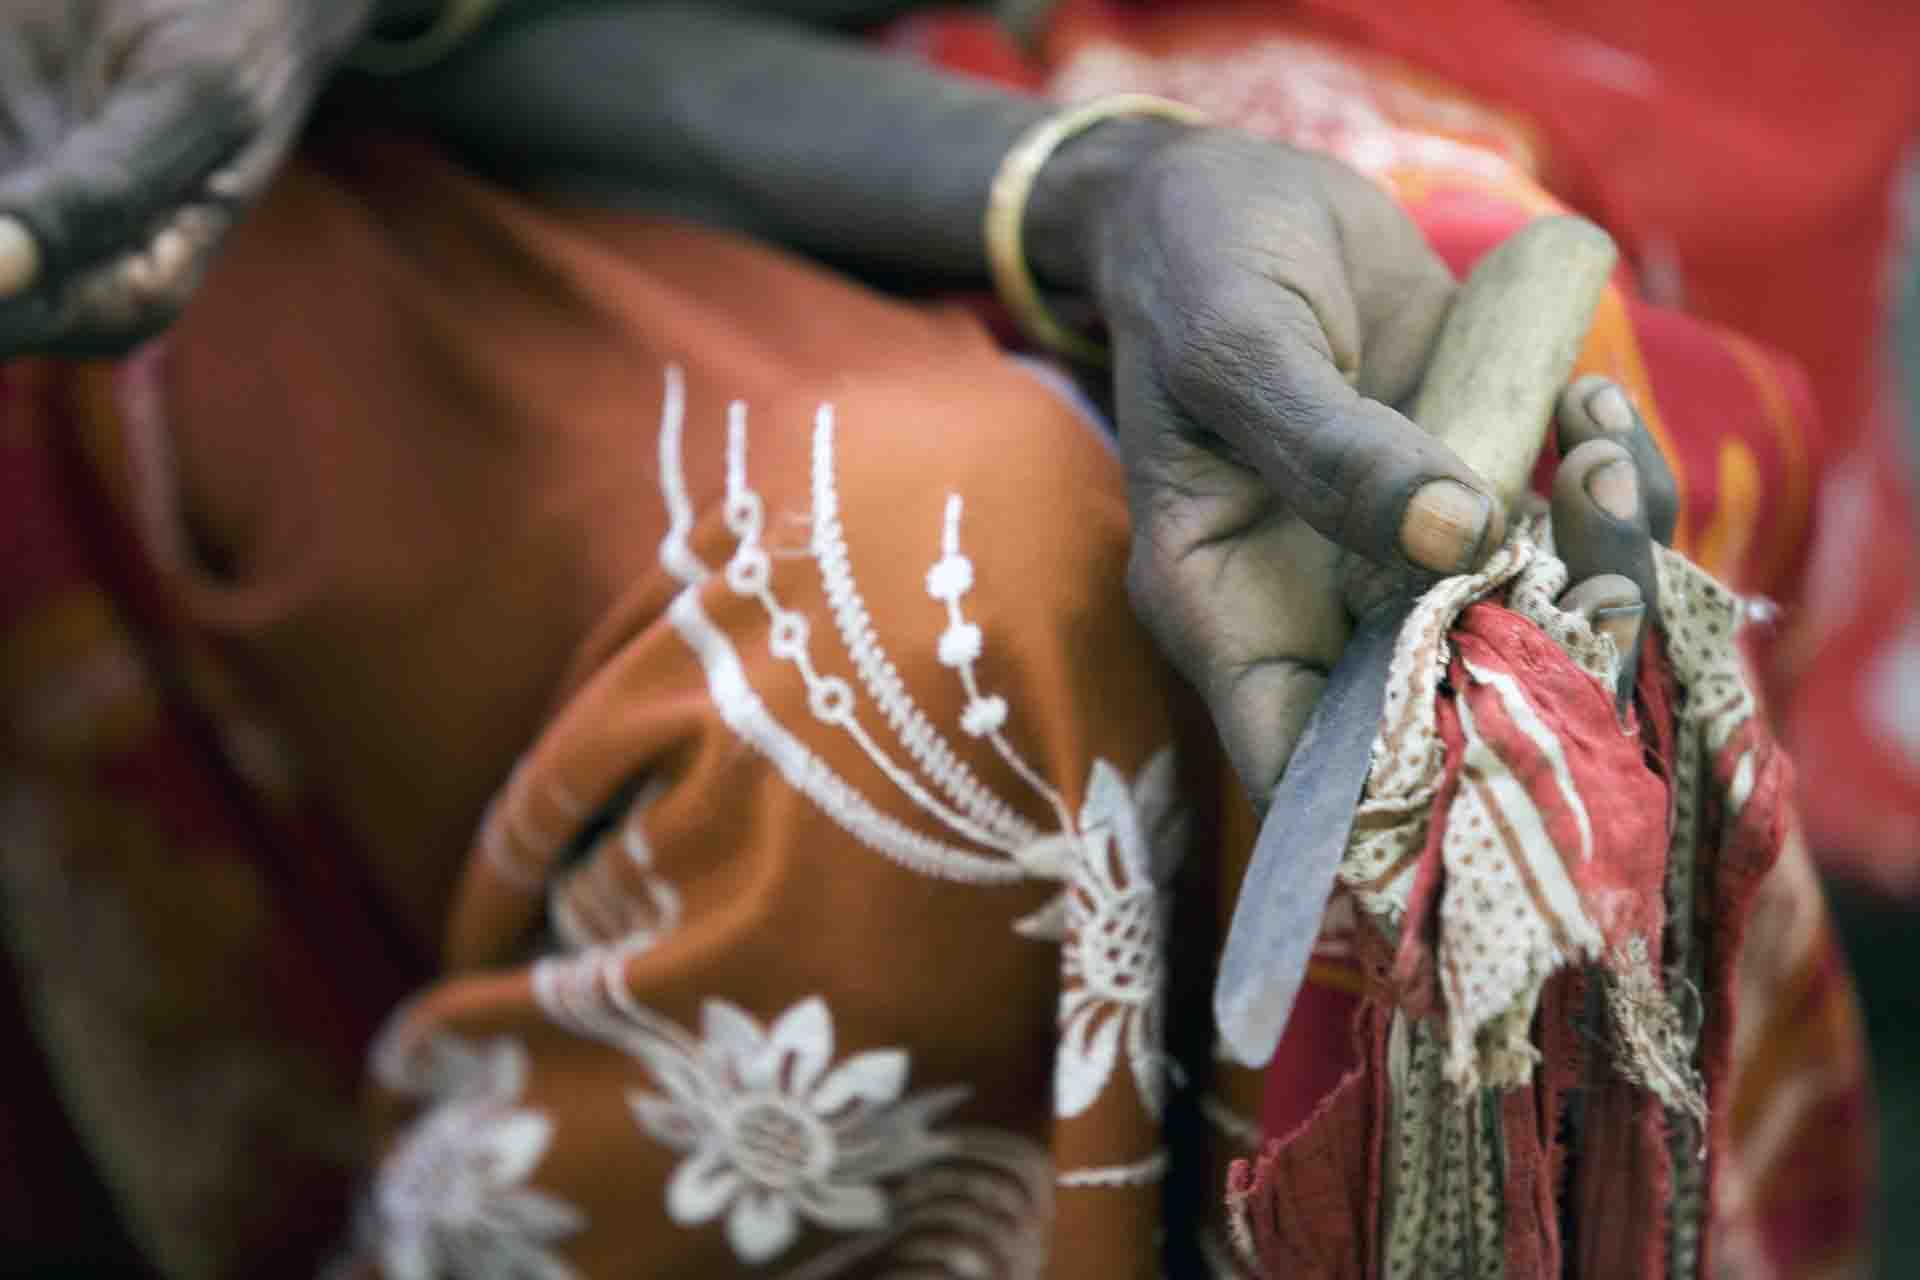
{"x":1277,"y":916}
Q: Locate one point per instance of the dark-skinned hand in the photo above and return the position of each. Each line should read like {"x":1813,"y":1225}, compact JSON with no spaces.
{"x":1267,"y":308}
{"x":132,"y":133}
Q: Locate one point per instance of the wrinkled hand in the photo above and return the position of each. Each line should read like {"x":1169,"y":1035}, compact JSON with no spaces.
{"x":132,"y":133}
{"x":1267,"y":307}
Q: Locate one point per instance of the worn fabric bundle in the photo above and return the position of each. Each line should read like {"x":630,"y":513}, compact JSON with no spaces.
{"x":1557,"y":902}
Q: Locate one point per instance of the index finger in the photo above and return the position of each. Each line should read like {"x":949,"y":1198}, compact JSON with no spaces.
{"x":1360,"y":473}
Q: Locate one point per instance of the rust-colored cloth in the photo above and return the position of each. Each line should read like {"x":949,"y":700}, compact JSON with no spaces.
{"x":845,"y":790}
{"x":705,"y":690}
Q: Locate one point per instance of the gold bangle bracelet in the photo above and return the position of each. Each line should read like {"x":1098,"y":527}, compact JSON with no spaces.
{"x":1006,"y":215}
{"x":458,"y":19}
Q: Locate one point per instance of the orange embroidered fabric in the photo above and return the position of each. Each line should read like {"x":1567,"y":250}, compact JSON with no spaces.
{"x":845,"y":809}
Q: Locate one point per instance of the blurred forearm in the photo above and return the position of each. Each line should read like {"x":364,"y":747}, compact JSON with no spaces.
{"x":760,"y":124}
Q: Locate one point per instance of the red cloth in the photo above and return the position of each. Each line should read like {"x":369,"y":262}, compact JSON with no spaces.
{"x":1787,"y":1139}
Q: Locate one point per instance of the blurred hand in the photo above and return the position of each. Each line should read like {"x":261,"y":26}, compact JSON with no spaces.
{"x":132,"y":133}
{"x":1267,"y":307}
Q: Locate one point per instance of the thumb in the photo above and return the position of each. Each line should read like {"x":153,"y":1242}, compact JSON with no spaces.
{"x":1358,"y":472}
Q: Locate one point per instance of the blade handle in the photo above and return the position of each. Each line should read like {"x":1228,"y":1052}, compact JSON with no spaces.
{"x":1517,"y":326}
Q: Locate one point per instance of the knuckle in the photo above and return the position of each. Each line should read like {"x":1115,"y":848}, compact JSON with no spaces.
{"x":1213,"y":357}
{"x":1198,"y":371}
{"x":1365,"y":474}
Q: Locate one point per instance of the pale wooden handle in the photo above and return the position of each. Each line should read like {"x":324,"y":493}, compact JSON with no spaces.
{"x":1509,"y":343}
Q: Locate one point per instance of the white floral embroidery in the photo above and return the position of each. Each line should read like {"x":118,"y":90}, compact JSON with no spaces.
{"x":1008,"y":847}
{"x":451,"y":1200}
{"x":1114,"y":967}
{"x":746,"y":714}
{"x":1138,"y":1174}
{"x":773,"y":1135}
{"x":1114,"y":856}
{"x":963,"y":806}
{"x":985,"y":714}
{"x":986,"y":1209}
{"x":624,"y":901}
{"x":777,"y":1136}
{"x":530,"y":820}
{"x":958,"y":647}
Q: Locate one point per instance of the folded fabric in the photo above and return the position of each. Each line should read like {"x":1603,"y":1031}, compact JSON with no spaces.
{"x":1560,"y":903}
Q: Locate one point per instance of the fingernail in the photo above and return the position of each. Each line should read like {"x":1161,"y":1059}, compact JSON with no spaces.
{"x":19,"y":257}
{"x":1616,"y":488}
{"x":1609,"y":409}
{"x":1444,"y":527}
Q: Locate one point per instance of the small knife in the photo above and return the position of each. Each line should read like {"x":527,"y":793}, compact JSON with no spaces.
{"x":1505,"y":351}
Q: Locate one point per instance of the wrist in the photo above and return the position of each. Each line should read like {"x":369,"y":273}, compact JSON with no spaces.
{"x":1079,"y":185}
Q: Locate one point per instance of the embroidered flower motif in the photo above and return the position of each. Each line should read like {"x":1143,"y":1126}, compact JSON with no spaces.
{"x":776,"y":1137}
{"x":983,"y":716}
{"x":960,"y":644}
{"x":622,"y":901}
{"x":451,"y":1200}
{"x":951,"y":577}
{"x":1114,"y":963}
{"x":773,"y":1136}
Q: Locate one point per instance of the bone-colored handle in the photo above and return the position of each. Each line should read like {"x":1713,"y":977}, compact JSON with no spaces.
{"x":1509,"y":343}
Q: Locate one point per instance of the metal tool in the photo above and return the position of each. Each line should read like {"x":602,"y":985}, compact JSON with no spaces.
{"x":1505,"y":351}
